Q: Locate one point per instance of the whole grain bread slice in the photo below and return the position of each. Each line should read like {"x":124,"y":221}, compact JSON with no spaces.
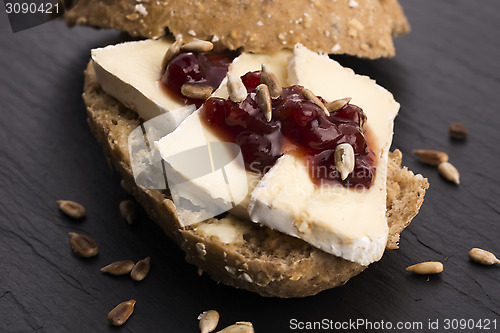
{"x":361,"y":28}
{"x":263,"y":260}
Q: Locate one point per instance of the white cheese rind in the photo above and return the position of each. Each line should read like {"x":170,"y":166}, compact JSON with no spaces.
{"x":130,"y":72}
{"x":345,"y":222}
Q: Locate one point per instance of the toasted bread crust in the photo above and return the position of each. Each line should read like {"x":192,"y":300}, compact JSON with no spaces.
{"x":361,"y":28}
{"x":267,"y":262}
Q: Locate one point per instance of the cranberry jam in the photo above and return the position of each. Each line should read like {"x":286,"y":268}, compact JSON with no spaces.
{"x":299,"y":127}
{"x":204,"y":69}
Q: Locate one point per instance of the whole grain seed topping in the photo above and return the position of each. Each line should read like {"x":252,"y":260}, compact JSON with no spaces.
{"x":458,"y":131}
{"x":268,"y":78}
{"x":483,"y":257}
{"x":196,"y":91}
{"x":313,"y":98}
{"x":198,"y":46}
{"x":141,"y":269}
{"x":264,"y":101}
{"x":208,"y":321}
{"x":344,"y":159}
{"x":426,"y":268}
{"x":449,"y":172}
{"x":171,"y":53}
{"x":120,"y":314}
{"x":128,"y":210}
{"x":239,"y":327}
{"x":118,"y":267}
{"x":83,"y":245}
{"x":236,"y":89}
{"x":431,"y":157}
{"x":337,"y":104}
{"x":71,"y":208}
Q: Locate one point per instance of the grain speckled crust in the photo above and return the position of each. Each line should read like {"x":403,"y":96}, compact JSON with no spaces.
{"x":264,"y":261}
{"x":363,"y":28}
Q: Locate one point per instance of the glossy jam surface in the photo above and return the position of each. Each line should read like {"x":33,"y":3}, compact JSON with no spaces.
{"x":205,"y":69}
{"x":298,"y":127}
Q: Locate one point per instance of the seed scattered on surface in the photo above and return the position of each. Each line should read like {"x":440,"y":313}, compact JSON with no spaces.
{"x":198,"y":46}
{"x":271,"y":81}
{"x":171,"y":53}
{"x":344,"y":159}
{"x":128,"y":210}
{"x":196,"y":91}
{"x":483,"y":257}
{"x":264,"y":101}
{"x":239,"y":327}
{"x":337,"y":104}
{"x":431,"y":157}
{"x":425,"y":268}
{"x":313,"y":98}
{"x":83,"y":245}
{"x":236,"y":89}
{"x":118,"y":267}
{"x":71,"y":208}
{"x":458,"y":131}
{"x":141,"y":269}
{"x":208,"y":321}
{"x":449,"y":172}
{"x":120,"y":314}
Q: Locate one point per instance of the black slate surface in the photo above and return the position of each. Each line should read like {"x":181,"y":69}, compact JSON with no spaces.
{"x":447,"y":69}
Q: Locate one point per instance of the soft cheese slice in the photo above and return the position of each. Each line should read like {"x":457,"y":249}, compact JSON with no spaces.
{"x":130,"y":72}
{"x":219,"y":189}
{"x":345,"y":222}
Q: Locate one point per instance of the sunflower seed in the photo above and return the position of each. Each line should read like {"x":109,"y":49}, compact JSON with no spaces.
{"x":264,"y":101}
{"x":337,"y":104}
{"x":483,"y":257}
{"x":271,"y":81}
{"x":196,"y":91}
{"x":198,"y":46}
{"x":344,"y":159}
{"x":458,"y":131}
{"x":71,"y":208}
{"x":119,"y":315}
{"x":83,"y":245}
{"x":118,"y":267}
{"x":425,"y":268}
{"x":171,"y":53}
{"x":449,"y":172}
{"x":141,"y":269}
{"x":431,"y":157}
{"x":128,"y":210}
{"x":239,"y":327}
{"x":208,"y":321}
{"x":313,"y":98}
{"x":236,"y":89}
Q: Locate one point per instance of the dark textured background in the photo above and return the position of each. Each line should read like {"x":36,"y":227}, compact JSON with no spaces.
{"x":447,"y":69}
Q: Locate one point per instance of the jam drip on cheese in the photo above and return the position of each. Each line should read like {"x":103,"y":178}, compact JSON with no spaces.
{"x":298,"y":127}
{"x":204,"y":69}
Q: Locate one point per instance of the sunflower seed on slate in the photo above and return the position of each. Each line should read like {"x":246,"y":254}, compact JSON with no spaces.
{"x":308,"y":94}
{"x":431,"y":157}
{"x":239,"y":327}
{"x":120,"y":314}
{"x":271,"y":81}
{"x":426,"y":268}
{"x":71,"y":208}
{"x":337,"y":104}
{"x":208,"y":321}
{"x":118,"y":267}
{"x":458,"y":131}
{"x":198,"y":46}
{"x":171,"y":53}
{"x":141,"y":269}
{"x":449,"y":172}
{"x":196,"y":91}
{"x":128,"y":210}
{"x":483,"y":257}
{"x":344,"y":159}
{"x":83,"y":245}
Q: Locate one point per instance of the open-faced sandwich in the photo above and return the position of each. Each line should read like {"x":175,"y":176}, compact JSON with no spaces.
{"x":272,"y":171}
